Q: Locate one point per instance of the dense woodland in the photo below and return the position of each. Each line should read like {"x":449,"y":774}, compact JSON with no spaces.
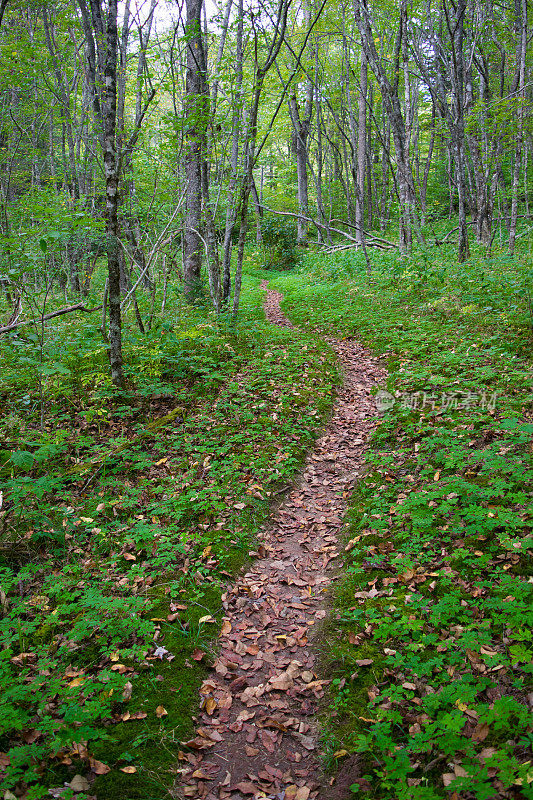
{"x":374,"y":162}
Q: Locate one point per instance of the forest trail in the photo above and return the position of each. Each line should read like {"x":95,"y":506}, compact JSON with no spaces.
{"x":257,"y":734}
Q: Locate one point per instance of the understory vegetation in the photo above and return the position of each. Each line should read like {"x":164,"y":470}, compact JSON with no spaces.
{"x":430,"y":645}
{"x":123,"y":518}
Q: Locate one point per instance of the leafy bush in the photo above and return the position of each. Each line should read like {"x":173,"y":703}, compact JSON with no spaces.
{"x":279,"y":240}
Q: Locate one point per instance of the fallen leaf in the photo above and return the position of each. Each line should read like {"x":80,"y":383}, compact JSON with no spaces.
{"x":210,"y":705}
{"x":79,"y":784}
{"x":128,"y":770}
{"x":161,"y":712}
{"x":198,"y":654}
{"x":480,"y":732}
{"x":99,"y":767}
{"x":340,"y":754}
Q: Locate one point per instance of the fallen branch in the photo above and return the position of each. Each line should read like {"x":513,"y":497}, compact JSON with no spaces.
{"x":369,"y":243}
{"x":46,"y":317}
{"x":368,"y":236}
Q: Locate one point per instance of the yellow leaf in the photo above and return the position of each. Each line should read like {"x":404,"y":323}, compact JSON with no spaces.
{"x":210,"y":705}
{"x":128,"y":770}
{"x":161,"y":712}
{"x":340,"y":754}
{"x":76,"y":682}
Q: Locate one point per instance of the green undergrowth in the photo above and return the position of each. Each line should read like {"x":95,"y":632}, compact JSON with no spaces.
{"x":123,"y":518}
{"x":430,"y":651}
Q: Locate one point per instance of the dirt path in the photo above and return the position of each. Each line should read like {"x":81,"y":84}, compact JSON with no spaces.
{"x":257,"y":734}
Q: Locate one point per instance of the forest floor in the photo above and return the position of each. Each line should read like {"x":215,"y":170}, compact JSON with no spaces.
{"x":259,"y":721}
{"x":125,"y":518}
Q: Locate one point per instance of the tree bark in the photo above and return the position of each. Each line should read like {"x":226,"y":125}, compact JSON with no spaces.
{"x":391,"y":102}
{"x":518,"y":156}
{"x":301,"y":126}
{"x":231,"y":206}
{"x":109,"y":109}
{"x":361,"y":150}
{"x":195,"y":121}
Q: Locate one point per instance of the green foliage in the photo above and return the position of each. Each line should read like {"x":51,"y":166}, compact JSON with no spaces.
{"x":439,"y":527}
{"x":279,"y":244}
{"x":121,"y":521}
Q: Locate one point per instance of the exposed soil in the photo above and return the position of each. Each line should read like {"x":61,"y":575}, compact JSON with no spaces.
{"x":257,"y":734}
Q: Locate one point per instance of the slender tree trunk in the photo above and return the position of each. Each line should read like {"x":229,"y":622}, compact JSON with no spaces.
{"x":231,"y":207}
{"x":301,"y":124}
{"x":319,"y":151}
{"x":361,"y":150}
{"x":391,"y":102}
{"x":195,"y":113}
{"x":518,"y":156}
{"x":112,"y":196}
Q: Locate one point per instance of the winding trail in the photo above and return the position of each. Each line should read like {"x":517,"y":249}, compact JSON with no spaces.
{"x":258,"y":734}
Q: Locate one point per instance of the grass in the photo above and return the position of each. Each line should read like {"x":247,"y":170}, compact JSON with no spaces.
{"x":434,"y":601}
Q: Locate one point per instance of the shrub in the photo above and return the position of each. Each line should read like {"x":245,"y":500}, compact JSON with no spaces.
{"x":279,"y":240}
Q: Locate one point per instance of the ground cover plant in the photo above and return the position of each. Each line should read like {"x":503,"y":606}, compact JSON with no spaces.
{"x":431,"y":648}
{"x":122,"y":520}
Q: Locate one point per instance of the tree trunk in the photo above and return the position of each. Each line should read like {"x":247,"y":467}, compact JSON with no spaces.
{"x":231,"y":206}
{"x":195,"y":121}
{"x":112,"y":197}
{"x":361,"y":150}
{"x":518,"y":156}
{"x":391,"y":103}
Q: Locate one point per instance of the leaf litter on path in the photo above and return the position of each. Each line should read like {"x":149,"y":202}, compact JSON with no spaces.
{"x":257,"y":734}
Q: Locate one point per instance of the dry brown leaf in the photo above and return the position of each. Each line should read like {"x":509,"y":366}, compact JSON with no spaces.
{"x":198,"y":654}
{"x":161,"y":712}
{"x":99,"y":767}
{"x":128,"y":770}
{"x":480,"y":732}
